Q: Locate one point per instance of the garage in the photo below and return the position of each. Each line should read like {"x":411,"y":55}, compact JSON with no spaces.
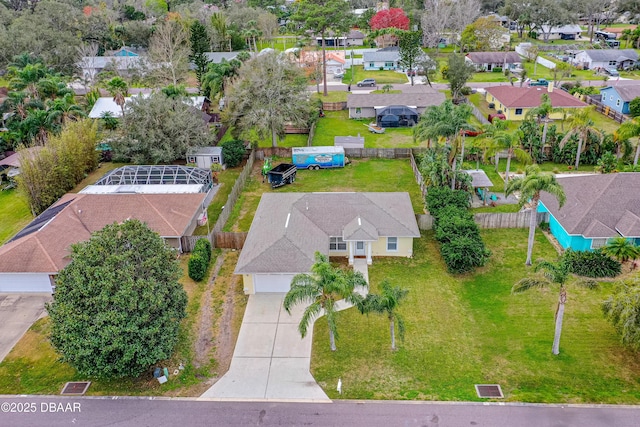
{"x":25,"y":282}
{"x":272,"y":282}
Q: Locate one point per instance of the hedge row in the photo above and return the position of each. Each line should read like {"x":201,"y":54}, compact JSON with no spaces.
{"x":462,"y":247}
{"x":199,"y":259}
{"x":591,"y":263}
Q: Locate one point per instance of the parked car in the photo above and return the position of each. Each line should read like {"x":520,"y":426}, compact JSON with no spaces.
{"x":612,"y":72}
{"x":411,"y":73}
{"x":338,"y":74}
{"x":367,"y":82}
{"x":539,"y":82}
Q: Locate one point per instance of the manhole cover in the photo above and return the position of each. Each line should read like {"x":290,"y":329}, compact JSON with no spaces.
{"x":76,"y":387}
{"x":489,"y":391}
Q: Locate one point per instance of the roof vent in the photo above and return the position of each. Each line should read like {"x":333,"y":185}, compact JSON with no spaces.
{"x":489,"y":391}
{"x":359,"y":222}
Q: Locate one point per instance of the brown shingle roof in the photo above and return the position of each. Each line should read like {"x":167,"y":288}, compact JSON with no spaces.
{"x":530,"y":97}
{"x":599,"y":205}
{"x":418,"y":100}
{"x":289,"y":228}
{"x":47,"y":250}
{"x":494,"y":57}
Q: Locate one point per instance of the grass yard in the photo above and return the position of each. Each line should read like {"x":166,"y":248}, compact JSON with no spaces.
{"x":226,"y":180}
{"x":360,"y":175}
{"x":488,"y":76}
{"x":332,"y":96}
{"x":466,"y":330}
{"x":382,"y":77}
{"x":338,"y":123}
{"x":14,"y":214}
{"x":542,"y":72}
{"x":32,"y":367}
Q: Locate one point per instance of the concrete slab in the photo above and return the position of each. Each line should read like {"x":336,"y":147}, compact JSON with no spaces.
{"x":289,"y":343}
{"x":290,"y":379}
{"x":295,"y":316}
{"x":247,"y":379}
{"x":263,"y":308}
{"x":17,"y":314}
{"x":255,"y":340}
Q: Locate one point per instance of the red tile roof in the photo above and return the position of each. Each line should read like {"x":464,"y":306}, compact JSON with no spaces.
{"x":530,"y":97}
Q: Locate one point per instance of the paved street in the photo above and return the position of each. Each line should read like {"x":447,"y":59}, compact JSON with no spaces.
{"x":143,"y":412}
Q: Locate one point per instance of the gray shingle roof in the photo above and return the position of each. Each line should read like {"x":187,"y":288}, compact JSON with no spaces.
{"x":418,"y":100}
{"x":478,"y":178}
{"x":601,"y":55}
{"x":599,"y":205}
{"x":494,"y":57}
{"x":627,"y":93}
{"x":381,"y":56}
{"x":289,"y":228}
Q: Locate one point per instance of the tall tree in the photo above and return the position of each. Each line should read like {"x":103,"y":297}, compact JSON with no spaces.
{"x":445,"y":120}
{"x":458,"y":74}
{"x":319,"y":17}
{"x":322,"y":289}
{"x":530,"y":186}
{"x":580,"y":124}
{"x":553,"y":273}
{"x":511,"y":143}
{"x":221,"y":30}
{"x":386,"y":24}
{"x":410,"y":50}
{"x":119,"y":90}
{"x":169,"y":52}
{"x":541,"y":114}
{"x":631,"y":129}
{"x":484,"y":34}
{"x":200,"y":44}
{"x":217,"y":77}
{"x":387,"y":303}
{"x":268,"y":93}
{"x":118,"y":303}
{"x":622,"y":309}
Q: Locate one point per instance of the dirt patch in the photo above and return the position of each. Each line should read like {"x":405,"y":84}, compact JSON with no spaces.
{"x":203,"y":342}
{"x":225,"y":339}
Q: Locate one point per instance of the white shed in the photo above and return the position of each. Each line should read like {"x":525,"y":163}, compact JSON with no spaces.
{"x":204,"y":157}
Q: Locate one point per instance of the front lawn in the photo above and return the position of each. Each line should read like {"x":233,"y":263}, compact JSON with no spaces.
{"x":338,"y":123}
{"x":381,"y":76}
{"x":14,"y":214}
{"x":360,"y":175}
{"x":466,"y":330}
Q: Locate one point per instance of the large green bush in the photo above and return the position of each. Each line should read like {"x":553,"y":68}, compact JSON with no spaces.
{"x":457,"y":226}
{"x":203,"y":247}
{"x":463,"y":254}
{"x":233,"y":152}
{"x":591,"y":263}
{"x":197,"y":266}
{"x":441,"y":197}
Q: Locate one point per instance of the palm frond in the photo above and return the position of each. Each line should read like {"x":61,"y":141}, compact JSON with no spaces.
{"x":588,"y":283}
{"x":309,"y":315}
{"x":529,"y":283}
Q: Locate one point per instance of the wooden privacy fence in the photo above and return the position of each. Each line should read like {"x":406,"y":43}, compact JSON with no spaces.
{"x":383,"y":153}
{"x":334,"y":106}
{"x":607,"y":111}
{"x":261,"y":153}
{"x":490,"y":220}
{"x":425,"y":221}
{"x":476,"y":113}
{"x":229,"y":240}
{"x":419,"y":178}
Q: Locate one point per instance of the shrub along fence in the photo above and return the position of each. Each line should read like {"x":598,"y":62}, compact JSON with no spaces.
{"x":490,"y":220}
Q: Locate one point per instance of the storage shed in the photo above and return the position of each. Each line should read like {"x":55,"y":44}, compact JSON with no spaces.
{"x":204,"y":157}
{"x":395,"y":116}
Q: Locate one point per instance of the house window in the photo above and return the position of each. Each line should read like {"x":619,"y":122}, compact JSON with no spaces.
{"x":372,"y":65}
{"x":613,"y":63}
{"x":617,"y":102}
{"x":388,"y":64}
{"x":358,"y":110}
{"x":337,"y":244}
{"x":191,"y":159}
{"x":392,"y":244}
{"x":598,"y":243}
{"x":215,"y":159}
{"x":518,"y":111}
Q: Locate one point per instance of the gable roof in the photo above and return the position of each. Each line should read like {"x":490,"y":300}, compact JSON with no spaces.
{"x":45,"y":249}
{"x":289,"y":228}
{"x":626,"y":93}
{"x":381,"y":56}
{"x":602,"y":55}
{"x":599,"y":206}
{"x":494,"y":57}
{"x":416,"y":100}
{"x":563,"y":29}
{"x":106,"y":104}
{"x":356,"y":34}
{"x":530,"y":97}
{"x":120,"y":63}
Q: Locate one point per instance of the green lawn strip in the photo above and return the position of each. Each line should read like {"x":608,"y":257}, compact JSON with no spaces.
{"x":496,"y":209}
{"x":226,"y":180}
{"x":382,"y":76}
{"x":466,"y":330}
{"x":14,"y":213}
{"x":361,"y":175}
{"x":33,"y":366}
{"x":333,"y":96}
{"x":489,"y":76}
{"x":337,"y":123}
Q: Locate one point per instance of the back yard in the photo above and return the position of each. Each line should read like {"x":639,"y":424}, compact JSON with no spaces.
{"x":360,"y":175}
{"x":14,"y":214}
{"x":466,"y":330}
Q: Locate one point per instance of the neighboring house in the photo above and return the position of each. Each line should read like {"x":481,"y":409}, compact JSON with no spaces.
{"x":383,"y":59}
{"x":486,"y":61}
{"x":598,"y":208}
{"x":30,"y":261}
{"x":619,"y":97}
{"x":289,"y":228}
{"x":564,"y":32}
{"x":309,"y":58}
{"x":515,"y":102}
{"x":123,"y":51}
{"x":349,"y":141}
{"x":91,"y":66}
{"x":362,"y":106}
{"x":10,"y":165}
{"x":355,"y":38}
{"x":596,"y":59}
{"x":204,"y":157}
{"x":106,"y":104}
{"x":216,"y":58}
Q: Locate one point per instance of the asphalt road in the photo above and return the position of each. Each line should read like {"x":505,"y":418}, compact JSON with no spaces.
{"x":52,"y":411}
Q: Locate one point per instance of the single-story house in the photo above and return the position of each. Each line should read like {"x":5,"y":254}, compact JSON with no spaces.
{"x":515,"y":102}
{"x":486,"y":61}
{"x":309,"y":58}
{"x":564,"y":32}
{"x":106,"y":104}
{"x":216,"y":57}
{"x":619,"y":97}
{"x":383,"y":59}
{"x":355,"y":38}
{"x":11,"y":163}
{"x":91,"y":66}
{"x":30,"y":261}
{"x":204,"y":157}
{"x":349,"y":141}
{"x":597,"y":208}
{"x":363,"y":106}
{"x":595,"y":59}
{"x":289,"y":228}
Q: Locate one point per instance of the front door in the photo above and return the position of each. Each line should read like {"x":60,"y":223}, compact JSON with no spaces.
{"x":359,"y":249}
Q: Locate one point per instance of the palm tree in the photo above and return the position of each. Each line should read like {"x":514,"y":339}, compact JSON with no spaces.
{"x":322,"y":290}
{"x":581,"y":125}
{"x":219,"y":24}
{"x":387,"y":303}
{"x":38,"y":125}
{"x":485,"y":141}
{"x":621,"y":249}
{"x":511,"y":143}
{"x":446,"y":120}
{"x":530,"y":186}
{"x":541,"y":114}
{"x":552,"y":273}
{"x":217,"y":77}
{"x":175,"y":91}
{"x":27,"y":78}
{"x":631,"y":129}
{"x":52,"y":87}
{"x":119,"y":89}
{"x":65,"y":109}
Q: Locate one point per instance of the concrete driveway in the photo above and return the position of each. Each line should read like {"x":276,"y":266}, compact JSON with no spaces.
{"x":17,"y":314}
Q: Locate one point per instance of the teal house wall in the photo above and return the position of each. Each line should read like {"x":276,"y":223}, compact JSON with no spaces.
{"x":577,"y":243}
